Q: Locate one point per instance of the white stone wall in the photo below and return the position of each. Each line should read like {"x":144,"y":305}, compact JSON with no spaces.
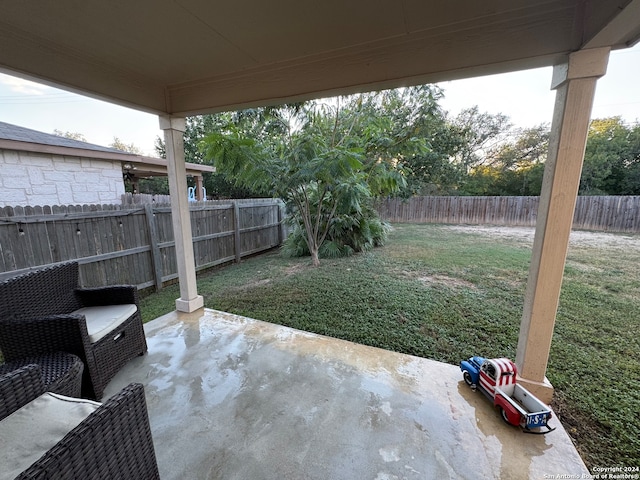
{"x":28,"y":178}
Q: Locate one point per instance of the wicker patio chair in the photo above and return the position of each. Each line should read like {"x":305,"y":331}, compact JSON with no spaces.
{"x":61,"y":372}
{"x":113,"y":441}
{"x":44,"y":311}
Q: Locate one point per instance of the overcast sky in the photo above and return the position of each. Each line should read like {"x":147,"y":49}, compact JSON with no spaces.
{"x":523,"y":96}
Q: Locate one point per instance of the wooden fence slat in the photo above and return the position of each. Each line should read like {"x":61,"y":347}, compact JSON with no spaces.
{"x":133,"y":244}
{"x":237,"y":226}
{"x":155,"y":250}
{"x":604,"y":213}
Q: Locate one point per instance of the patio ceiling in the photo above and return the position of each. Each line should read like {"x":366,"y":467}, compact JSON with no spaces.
{"x":192,"y":56}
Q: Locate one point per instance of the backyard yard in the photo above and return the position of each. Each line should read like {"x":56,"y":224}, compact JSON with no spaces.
{"x":449,"y":292}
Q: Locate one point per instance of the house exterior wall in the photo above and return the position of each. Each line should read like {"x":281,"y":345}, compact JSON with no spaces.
{"x":28,"y":178}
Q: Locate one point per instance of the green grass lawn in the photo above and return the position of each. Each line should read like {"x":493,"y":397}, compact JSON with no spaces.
{"x":447,"y":294}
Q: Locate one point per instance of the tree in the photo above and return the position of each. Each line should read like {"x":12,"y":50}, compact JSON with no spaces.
{"x":197,"y":128}
{"x":516,"y":166}
{"x":483,"y":135}
{"x":125,"y":147}
{"x":154,"y":185}
{"x":407,"y":128}
{"x":612,"y":158}
{"x":433,"y":172}
{"x":307,"y":155}
{"x":72,"y":135}
{"x":630,"y":184}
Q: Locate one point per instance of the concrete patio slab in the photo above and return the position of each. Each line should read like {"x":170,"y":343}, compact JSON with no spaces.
{"x":234,"y":398}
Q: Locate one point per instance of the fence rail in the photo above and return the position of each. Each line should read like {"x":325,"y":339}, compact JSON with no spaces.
{"x":604,"y":213}
{"x":133,"y":244}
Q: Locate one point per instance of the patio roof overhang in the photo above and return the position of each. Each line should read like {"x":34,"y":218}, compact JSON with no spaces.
{"x":143,"y":167}
{"x":183,"y":57}
{"x":139,"y":165}
{"x":190,"y":56}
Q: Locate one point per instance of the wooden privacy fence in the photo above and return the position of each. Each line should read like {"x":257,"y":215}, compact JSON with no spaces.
{"x":134,"y":244}
{"x":604,"y":213}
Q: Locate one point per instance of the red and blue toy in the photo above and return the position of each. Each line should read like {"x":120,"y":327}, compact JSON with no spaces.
{"x":496,"y":378}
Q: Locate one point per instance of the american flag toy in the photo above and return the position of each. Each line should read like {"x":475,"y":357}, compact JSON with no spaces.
{"x":497,"y":379}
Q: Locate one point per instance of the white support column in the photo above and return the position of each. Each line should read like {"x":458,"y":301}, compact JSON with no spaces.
{"x":173,"y":129}
{"x":575,"y":83}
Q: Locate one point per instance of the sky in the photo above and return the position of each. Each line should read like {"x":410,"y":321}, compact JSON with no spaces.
{"x":524,"y":96}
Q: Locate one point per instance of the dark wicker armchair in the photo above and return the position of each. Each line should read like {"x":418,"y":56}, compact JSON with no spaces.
{"x":114,"y":441}
{"x":40,"y":315}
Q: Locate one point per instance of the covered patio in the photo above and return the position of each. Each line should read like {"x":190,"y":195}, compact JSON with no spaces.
{"x":231,"y":397}
{"x":177,"y":58}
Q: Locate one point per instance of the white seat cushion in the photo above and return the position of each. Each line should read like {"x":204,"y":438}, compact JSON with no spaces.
{"x":104,"y":319}
{"x":28,"y":433}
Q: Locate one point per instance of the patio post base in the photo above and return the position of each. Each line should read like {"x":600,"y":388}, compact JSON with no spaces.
{"x":543,"y":390}
{"x":189,"y":306}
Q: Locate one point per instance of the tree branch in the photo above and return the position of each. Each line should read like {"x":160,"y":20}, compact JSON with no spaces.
{"x":302,"y":203}
{"x":333,"y":212}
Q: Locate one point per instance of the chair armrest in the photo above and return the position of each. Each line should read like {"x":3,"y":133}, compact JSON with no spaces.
{"x":113,"y":442}
{"x":20,"y":338}
{"x":111,"y":295}
{"x":19,"y":387}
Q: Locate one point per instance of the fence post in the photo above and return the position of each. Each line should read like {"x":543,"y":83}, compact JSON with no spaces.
{"x":155,"y":250}
{"x":236,"y":218}
{"x":281,"y":226}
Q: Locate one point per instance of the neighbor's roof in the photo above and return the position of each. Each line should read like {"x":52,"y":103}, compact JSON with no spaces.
{"x":14,"y":137}
{"x":22,"y":134}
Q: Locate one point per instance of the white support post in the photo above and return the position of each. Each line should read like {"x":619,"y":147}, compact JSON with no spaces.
{"x":575,"y":83}
{"x":189,"y":299}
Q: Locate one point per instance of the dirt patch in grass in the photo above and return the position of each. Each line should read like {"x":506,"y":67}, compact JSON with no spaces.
{"x":437,"y":279}
{"x":448,"y":281}
{"x":251,"y":285}
{"x":295,"y":269}
{"x":578,"y":238}
{"x":259,"y":282}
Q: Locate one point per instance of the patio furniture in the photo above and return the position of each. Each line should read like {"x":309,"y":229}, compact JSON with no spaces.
{"x":61,"y":372}
{"x":49,"y":436}
{"x":45,"y":311}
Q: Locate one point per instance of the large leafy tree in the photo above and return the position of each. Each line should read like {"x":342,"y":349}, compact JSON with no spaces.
{"x":630,"y":185}
{"x":197,"y":128}
{"x":407,"y":127}
{"x":515,"y":167}
{"x":483,"y":135}
{"x":308,"y":155}
{"x":612,"y":158}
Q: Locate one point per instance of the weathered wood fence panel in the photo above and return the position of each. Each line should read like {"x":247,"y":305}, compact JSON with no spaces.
{"x":133,"y":244}
{"x":604,"y":213}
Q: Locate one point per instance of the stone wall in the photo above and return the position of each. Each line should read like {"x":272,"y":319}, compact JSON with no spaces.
{"x":28,"y":178}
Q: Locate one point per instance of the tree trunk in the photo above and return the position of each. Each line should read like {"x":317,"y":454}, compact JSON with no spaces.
{"x":314,"y":257}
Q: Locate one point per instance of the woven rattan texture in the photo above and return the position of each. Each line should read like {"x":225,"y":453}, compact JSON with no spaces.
{"x":19,"y":387}
{"x":114,"y":442}
{"x":61,"y":372}
{"x":36,"y":320}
